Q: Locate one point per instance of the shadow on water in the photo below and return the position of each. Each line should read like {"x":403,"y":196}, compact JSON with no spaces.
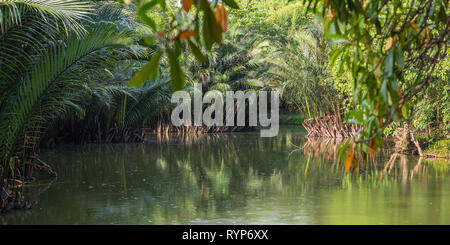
{"x":236,"y":178}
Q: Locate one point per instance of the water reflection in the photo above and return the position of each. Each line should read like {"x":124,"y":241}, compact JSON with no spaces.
{"x":236,"y":178}
{"x":396,"y":167}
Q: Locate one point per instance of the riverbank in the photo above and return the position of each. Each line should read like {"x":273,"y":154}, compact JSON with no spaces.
{"x":438,"y":149}
{"x":406,"y":139}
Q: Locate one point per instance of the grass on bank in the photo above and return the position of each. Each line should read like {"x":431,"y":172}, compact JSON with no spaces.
{"x":440,"y":148}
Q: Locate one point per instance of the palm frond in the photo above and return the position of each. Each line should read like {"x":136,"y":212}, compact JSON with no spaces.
{"x":67,"y":14}
{"x":155,"y":97}
{"x":59,"y":68}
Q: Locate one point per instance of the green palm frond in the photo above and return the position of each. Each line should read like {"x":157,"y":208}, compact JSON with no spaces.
{"x":66,"y":14}
{"x":154,"y":98}
{"x":27,"y":28}
{"x":60,"y":68}
{"x":223,"y":87}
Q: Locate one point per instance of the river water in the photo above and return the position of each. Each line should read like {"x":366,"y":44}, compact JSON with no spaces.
{"x":235,"y":178}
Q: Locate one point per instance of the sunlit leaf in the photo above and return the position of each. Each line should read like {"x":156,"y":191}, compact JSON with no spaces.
{"x":150,"y":70}
{"x":186,"y":35}
{"x":222,"y":17}
{"x":388,"y":44}
{"x":142,"y":13}
{"x":186,"y":5}
{"x":212,"y":31}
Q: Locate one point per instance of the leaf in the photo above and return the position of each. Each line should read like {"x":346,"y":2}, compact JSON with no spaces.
{"x":389,"y":64}
{"x":331,"y":14}
{"x":149,"y":41}
{"x":212,"y":32}
{"x":335,"y":54}
{"x":186,"y":35}
{"x":383,"y":91}
{"x":197,"y":52}
{"x":11,"y":166}
{"x":380,"y":121}
{"x":222,"y":17}
{"x":176,"y":73}
{"x":142,"y":13}
{"x":388,"y":44}
{"x":371,"y":153}
{"x":150,"y":70}
{"x":231,"y":4}
{"x":162,"y":4}
{"x":186,"y":5}
{"x":399,"y":57}
{"x":349,"y":158}
{"x":406,"y":108}
{"x":197,"y":29}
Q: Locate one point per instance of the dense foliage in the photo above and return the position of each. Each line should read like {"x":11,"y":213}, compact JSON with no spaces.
{"x":64,"y":65}
{"x":391,"y":49}
{"x":97,"y":71}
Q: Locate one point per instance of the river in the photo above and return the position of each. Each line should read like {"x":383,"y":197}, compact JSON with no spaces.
{"x":233,"y":178}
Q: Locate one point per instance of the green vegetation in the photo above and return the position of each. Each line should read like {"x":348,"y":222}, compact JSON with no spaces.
{"x":440,"y":148}
{"x":292,"y":119}
{"x":393,"y":50}
{"x":49,"y":79}
{"x":103,"y":71}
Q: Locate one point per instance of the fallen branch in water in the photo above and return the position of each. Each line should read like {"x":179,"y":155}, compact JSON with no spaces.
{"x":42,"y":166}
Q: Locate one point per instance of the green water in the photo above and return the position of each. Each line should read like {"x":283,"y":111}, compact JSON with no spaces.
{"x":236,"y":178}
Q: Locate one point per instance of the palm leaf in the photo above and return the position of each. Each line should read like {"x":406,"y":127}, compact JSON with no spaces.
{"x":58,"y":68}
